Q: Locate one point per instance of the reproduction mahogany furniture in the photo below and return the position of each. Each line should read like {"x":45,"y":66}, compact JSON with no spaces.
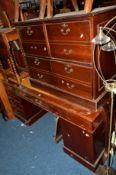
{"x":27,"y":112}
{"x":59,"y":59}
{"x":13,"y":103}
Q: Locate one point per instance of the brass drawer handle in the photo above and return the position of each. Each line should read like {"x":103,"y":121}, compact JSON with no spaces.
{"x":85,"y":133}
{"x":38,"y":101}
{"x":29,"y":31}
{"x":70,"y":86}
{"x":33,"y":47}
{"x":68,"y":69}
{"x":65,"y":30}
{"x":45,"y":49}
{"x":40,"y":76}
{"x":37,"y":62}
{"x":67,"y":51}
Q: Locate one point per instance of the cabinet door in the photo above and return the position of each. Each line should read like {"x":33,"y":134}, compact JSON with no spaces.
{"x":80,"y":141}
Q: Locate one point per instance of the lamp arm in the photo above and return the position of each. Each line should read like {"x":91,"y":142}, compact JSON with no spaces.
{"x":110,"y":128}
{"x":110,"y":21}
{"x":109,"y":29}
{"x":95,"y":65}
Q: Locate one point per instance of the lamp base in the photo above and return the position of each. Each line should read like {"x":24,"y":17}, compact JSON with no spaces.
{"x":104,"y":170}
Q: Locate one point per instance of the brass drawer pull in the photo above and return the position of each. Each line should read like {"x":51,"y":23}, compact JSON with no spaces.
{"x":45,"y":49}
{"x":68,"y":135}
{"x":68,"y":69}
{"x":70,"y":86}
{"x":85,"y":133}
{"x":38,"y":101}
{"x":67,"y":51}
{"x":37,"y":62}
{"x":40,"y":76}
{"x":29,"y":31}
{"x":65,"y":30}
{"x":33,"y":47}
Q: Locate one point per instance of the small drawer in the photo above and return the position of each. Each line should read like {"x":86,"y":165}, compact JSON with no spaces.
{"x":38,"y":49}
{"x":40,"y":76}
{"x":73,"y":71}
{"x":75,"y":52}
{"x":69,"y":31}
{"x":76,"y":89}
{"x":38,"y":63}
{"x":31,"y":32}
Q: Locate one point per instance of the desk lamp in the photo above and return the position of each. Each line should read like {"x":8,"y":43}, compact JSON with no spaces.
{"x":105,"y":40}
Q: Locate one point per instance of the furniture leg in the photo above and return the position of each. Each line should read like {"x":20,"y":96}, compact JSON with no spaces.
{"x":5,"y":100}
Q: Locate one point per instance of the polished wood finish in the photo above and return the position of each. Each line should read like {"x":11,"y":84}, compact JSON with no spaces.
{"x":64,"y":80}
{"x":67,"y":49}
{"x":23,"y":109}
{"x":4,"y":99}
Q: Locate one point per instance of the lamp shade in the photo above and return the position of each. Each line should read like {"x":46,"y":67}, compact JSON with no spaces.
{"x":101,"y":38}
{"x":108,"y":47}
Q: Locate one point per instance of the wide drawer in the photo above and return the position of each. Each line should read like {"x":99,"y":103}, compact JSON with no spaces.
{"x":73,"y":71}
{"x":76,"y":52}
{"x":39,"y":75}
{"x":31,"y":32}
{"x":38,"y":63}
{"x":38,"y":49}
{"x":77,"y":89}
{"x":69,"y":31}
{"x":88,"y":120}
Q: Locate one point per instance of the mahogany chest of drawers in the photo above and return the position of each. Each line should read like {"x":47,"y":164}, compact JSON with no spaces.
{"x":58,"y":53}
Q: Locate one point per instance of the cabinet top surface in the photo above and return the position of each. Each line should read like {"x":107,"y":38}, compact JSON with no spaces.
{"x":70,"y":15}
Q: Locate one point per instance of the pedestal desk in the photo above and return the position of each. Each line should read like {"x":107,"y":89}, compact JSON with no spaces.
{"x":59,"y":59}
{"x":62,"y":79}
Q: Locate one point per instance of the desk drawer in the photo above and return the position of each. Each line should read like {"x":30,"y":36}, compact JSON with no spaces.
{"x":39,"y":75}
{"x":69,"y":31}
{"x":38,"y":49}
{"x":77,"y":89}
{"x":73,"y":71}
{"x":38,"y":63}
{"x":76,"y":52}
{"x":31,"y":32}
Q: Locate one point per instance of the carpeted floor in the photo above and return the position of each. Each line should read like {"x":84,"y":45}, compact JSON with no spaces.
{"x":30,"y":150}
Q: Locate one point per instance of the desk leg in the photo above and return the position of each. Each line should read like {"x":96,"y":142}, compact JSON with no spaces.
{"x":5,"y":100}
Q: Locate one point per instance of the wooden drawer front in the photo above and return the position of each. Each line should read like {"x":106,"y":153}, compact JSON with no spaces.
{"x":31,"y":32}
{"x":76,"y":52}
{"x":87,"y":120}
{"x":41,"y":76}
{"x":69,"y":31}
{"x":77,"y":89}
{"x":74,"y":71}
{"x":37,"y":99}
{"x":35,"y":49}
{"x":16,"y":105}
{"x":38,"y":63}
